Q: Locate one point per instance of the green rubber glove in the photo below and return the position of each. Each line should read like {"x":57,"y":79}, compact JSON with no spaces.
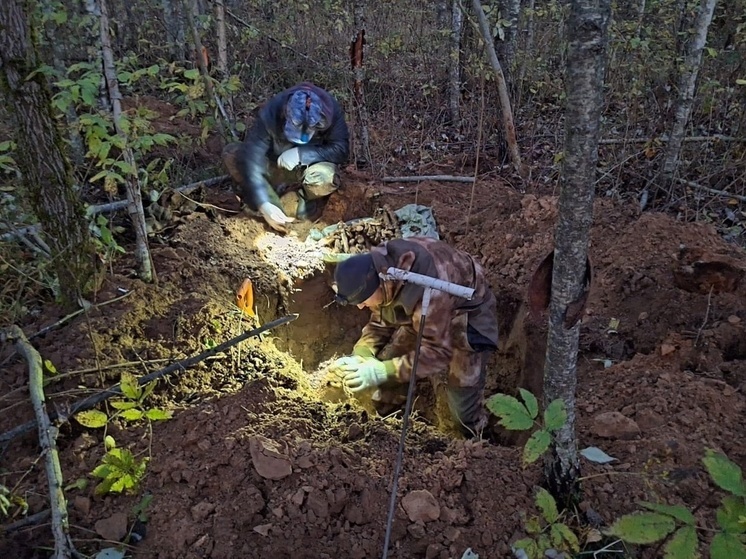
{"x":364,"y":374}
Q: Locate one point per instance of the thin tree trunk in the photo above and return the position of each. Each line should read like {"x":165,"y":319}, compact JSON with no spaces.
{"x":511,"y":9}
{"x":191,"y":7}
{"x":502,"y":90}
{"x":527,"y":51}
{"x":146,"y":270}
{"x":588,"y":25}
{"x":687,"y":85}
{"x":222,"y":41}
{"x":46,"y":171}
{"x":175,"y":28}
{"x":357,"y":57}
{"x":454,"y":65}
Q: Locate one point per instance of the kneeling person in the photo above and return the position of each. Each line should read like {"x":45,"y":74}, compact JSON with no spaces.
{"x":286,"y":167}
{"x":457,"y":337}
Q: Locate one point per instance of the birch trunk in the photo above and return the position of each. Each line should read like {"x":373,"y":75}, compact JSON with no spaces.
{"x":502,"y":90}
{"x":175,"y":28}
{"x":454,"y":64}
{"x":357,"y":57}
{"x":46,"y":171}
{"x":687,"y":85}
{"x":588,"y":25}
{"x":134,"y":193}
{"x":222,"y":40}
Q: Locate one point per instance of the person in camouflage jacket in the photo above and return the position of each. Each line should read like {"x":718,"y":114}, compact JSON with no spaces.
{"x":287,"y":165}
{"x":457,"y":336}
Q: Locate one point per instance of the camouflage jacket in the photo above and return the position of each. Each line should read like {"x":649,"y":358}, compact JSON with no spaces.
{"x":452,"y":323}
{"x":266,"y":140}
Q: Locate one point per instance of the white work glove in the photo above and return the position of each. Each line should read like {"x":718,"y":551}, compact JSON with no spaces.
{"x":275,"y":217}
{"x":289,"y":159}
{"x":347,"y":361}
{"x":366,"y":374}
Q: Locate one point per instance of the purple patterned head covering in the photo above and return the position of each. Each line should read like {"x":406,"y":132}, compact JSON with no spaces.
{"x":303,"y":116}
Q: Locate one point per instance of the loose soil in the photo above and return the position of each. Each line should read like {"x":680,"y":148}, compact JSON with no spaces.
{"x":262,"y":459}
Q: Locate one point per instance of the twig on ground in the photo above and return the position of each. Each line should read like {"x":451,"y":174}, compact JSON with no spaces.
{"x":91,"y":401}
{"x":184,"y":189}
{"x":444,"y":178}
{"x":32,"y":520}
{"x":115,"y":206}
{"x":63,"y":546}
{"x":72,"y":315}
{"x":714,"y":191}
{"x":718,"y":137}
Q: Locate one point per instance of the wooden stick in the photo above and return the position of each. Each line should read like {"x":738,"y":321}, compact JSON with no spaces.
{"x":718,"y":137}
{"x":116,"y":206}
{"x":32,"y":520}
{"x":63,"y":546}
{"x":714,"y":191}
{"x":185,"y":189}
{"x":443,"y":178}
{"x":93,"y":400}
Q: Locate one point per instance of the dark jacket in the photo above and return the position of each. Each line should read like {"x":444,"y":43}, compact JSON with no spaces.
{"x":452,"y":323}
{"x":265,"y":142}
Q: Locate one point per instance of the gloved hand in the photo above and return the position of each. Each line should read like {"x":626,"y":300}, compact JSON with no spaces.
{"x":365,"y":374}
{"x":289,"y":159}
{"x":346,"y":361}
{"x":275,"y":217}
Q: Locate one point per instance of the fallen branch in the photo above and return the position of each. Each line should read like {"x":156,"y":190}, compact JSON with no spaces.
{"x":91,"y":401}
{"x":714,"y":191}
{"x":718,"y":137}
{"x":32,"y":520}
{"x":443,"y":178}
{"x":63,"y":546}
{"x":115,"y":206}
{"x":185,"y":189}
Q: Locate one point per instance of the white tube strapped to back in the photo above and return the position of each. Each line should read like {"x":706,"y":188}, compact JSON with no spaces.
{"x":428,"y":281}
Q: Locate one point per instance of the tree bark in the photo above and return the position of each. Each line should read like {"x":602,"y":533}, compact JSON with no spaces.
{"x":510,"y":9}
{"x":46,"y":171}
{"x":502,"y":90}
{"x":588,"y":25}
{"x":57,"y":48}
{"x":527,"y":50}
{"x":454,"y":65}
{"x":135,"y":210}
{"x":357,"y":57}
{"x":222,"y":40}
{"x":175,"y":28}
{"x":687,"y":85}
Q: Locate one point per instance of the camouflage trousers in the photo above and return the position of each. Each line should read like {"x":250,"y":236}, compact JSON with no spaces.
{"x":464,"y":385}
{"x":300,"y":190}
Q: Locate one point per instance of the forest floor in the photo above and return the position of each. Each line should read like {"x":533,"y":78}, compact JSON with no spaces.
{"x":260,"y":460}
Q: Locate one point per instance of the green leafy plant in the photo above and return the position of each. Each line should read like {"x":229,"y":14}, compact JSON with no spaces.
{"x":547,"y":531}
{"x":120,"y":471}
{"x":522,"y":416}
{"x":130,"y":408}
{"x":8,"y":500}
{"x":678,"y":525}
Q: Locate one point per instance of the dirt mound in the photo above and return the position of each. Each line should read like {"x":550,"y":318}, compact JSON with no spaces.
{"x":256,"y":463}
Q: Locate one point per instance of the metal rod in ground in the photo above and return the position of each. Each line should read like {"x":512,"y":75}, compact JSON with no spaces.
{"x":88,"y":403}
{"x":405,"y":423}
